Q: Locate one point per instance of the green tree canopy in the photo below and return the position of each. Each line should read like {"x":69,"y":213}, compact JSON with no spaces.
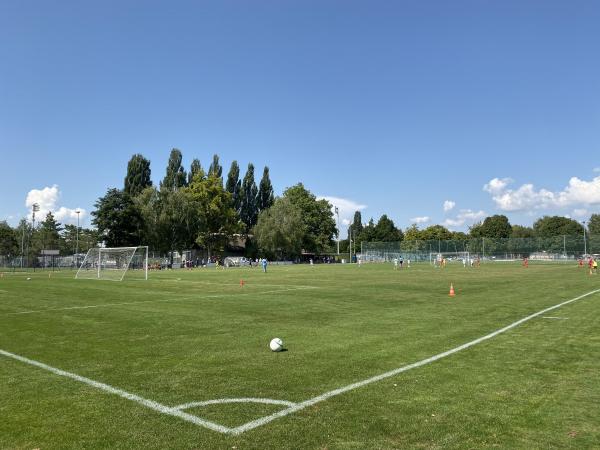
{"x":9,"y":244}
{"x":175,"y":176}
{"x":386,"y":231}
{"x":195,"y":168}
{"x":138,"y":175}
{"x":496,"y":226}
{"x":594,"y":224}
{"x":218,"y":221}
{"x":215,"y":169}
{"x":317,"y":217}
{"x":265,"y":191}
{"x":412,"y":233}
{"x":436,"y":232}
{"x":118,"y":220}
{"x":519,"y":231}
{"x":234,"y":185}
{"x":248,"y":199}
{"x":49,"y":233}
{"x":280,"y":230}
{"x":550,"y":226}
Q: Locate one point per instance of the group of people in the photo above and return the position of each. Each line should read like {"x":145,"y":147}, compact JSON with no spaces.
{"x":399,"y":262}
{"x":592,"y":265}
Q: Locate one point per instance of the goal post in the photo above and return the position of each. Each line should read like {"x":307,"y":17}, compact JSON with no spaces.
{"x":114,"y":264}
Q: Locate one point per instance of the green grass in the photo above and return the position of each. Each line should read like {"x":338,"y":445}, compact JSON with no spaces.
{"x":186,"y":336}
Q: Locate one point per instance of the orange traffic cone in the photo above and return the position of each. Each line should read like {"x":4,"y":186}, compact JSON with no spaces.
{"x":451,"y":294}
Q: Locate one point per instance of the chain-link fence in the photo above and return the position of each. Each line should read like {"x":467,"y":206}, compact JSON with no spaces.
{"x":558,"y":248}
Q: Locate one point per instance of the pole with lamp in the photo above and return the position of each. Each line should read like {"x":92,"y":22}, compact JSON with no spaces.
{"x":337,"y":213}
{"x":584,"y":241}
{"x":77,"y":239}
{"x":35,"y":208}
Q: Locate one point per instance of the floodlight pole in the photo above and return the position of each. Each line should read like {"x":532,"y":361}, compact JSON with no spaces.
{"x":77,"y":239}
{"x":584,"y":242}
{"x":35,"y":208}
{"x":337,"y":213}
{"x":24,"y":223}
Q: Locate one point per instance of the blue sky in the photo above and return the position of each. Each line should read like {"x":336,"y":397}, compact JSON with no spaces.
{"x":428,"y":111}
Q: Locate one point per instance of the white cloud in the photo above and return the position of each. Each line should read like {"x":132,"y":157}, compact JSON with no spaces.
{"x":346,"y":209}
{"x":497,"y":185}
{"x":526,"y":197}
{"x":596,"y":169}
{"x":418,"y":220}
{"x":580,"y":212}
{"x":47,"y":199}
{"x":464,"y":217}
{"x":448,"y":205}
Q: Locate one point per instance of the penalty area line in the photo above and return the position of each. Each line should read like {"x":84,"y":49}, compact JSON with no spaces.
{"x":305,"y":404}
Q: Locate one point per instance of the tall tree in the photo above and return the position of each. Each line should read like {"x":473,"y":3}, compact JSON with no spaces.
{"x":177,"y":221}
{"x":436,"y":232}
{"x":594,"y":224}
{"x":248,"y":207}
{"x":218,"y":221}
{"x":215,"y":169}
{"x":551,"y":226}
{"x":386,"y":231}
{"x":49,"y":233}
{"x":317,"y":217}
{"x":357,"y":225}
{"x":234,"y":185}
{"x":9,"y":245}
{"x":195,"y":168}
{"x":265,"y":191}
{"x":118,"y":220}
{"x":280,"y":230}
{"x":519,"y":231}
{"x":175,"y":176}
{"x":496,"y":226}
{"x":138,"y":175}
{"x":412,"y":233}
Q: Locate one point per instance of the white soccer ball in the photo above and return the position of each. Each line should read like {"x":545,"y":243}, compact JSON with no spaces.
{"x":276,"y":344}
{"x":28,"y":278}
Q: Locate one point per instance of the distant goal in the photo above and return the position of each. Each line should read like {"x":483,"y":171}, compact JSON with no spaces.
{"x":114,"y":264}
{"x":463,"y":258}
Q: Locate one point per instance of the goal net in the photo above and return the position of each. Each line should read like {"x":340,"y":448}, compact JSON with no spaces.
{"x":235,"y":261}
{"x":115,"y":264}
{"x":462,"y":258}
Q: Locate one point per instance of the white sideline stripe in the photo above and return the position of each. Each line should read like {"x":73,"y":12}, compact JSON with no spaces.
{"x":66,"y":308}
{"x":299,"y":406}
{"x":219,"y":401}
{"x":163,"y":409}
{"x":552,"y":317}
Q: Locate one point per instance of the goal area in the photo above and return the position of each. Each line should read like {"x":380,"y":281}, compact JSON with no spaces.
{"x":235,"y":261}
{"x":114,"y":264}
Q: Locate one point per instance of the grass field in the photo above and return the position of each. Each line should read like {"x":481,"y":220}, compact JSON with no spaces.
{"x":186,"y":337}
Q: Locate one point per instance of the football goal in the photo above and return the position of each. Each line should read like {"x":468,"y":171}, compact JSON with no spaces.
{"x":436,"y":259}
{"x":115,"y":264}
{"x":235,"y":261}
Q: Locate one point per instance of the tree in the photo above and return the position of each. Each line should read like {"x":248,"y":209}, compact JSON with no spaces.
{"x":386,"y":231}
{"x":9,"y":244}
{"x":176,"y":222}
{"x":316,"y":216}
{"x":265,"y":191}
{"x":357,"y":225}
{"x":519,"y":231}
{"x":496,"y":226}
{"x":175,"y":176}
{"x":138,"y":175}
{"x":217,"y":220}
{"x":195,"y":168}
{"x":49,"y":233}
{"x":248,"y":199}
{"x":234,"y":185}
{"x":412,"y":233}
{"x":280,"y":230}
{"x":551,"y":226}
{"x":594,"y":224}
{"x":215,"y":168}
{"x":118,"y":220}
{"x":436,"y":232}
{"x":367,"y":234}
{"x":149,"y":205}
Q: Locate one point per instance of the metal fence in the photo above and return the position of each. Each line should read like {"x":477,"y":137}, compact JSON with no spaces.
{"x":554,"y":248}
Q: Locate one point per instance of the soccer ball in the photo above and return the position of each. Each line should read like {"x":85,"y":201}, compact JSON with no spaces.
{"x":276,"y":344}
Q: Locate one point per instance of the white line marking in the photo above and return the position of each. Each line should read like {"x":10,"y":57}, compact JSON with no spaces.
{"x":105,"y":305}
{"x":163,"y":409}
{"x":219,"y":401}
{"x":174,"y":411}
{"x":299,"y":406}
{"x":552,"y":317}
